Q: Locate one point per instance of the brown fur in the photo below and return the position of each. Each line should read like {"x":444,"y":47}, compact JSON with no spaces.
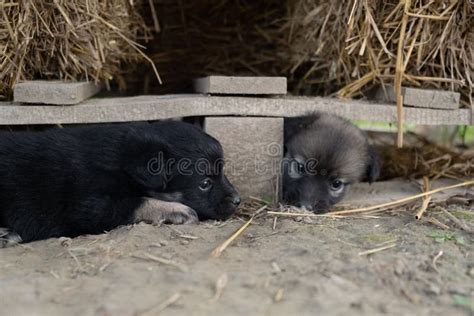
{"x":340,"y":151}
{"x":155,"y":211}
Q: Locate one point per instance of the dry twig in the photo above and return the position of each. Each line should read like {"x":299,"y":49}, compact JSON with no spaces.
{"x":457,"y":221}
{"x":221,"y":283}
{"x":164,"y":261}
{"x":165,"y":304}
{"x":378,"y":206}
{"x":220,"y":249}
{"x":426,"y":199}
{"x":372,"y":251}
{"x":435,"y":259}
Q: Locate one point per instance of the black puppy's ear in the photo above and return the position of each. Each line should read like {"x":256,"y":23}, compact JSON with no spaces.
{"x":373,"y":166}
{"x":146,"y":161}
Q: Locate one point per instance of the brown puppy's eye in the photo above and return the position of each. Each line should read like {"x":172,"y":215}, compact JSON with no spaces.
{"x":300,"y":167}
{"x":337,"y":185}
{"x":206,"y":184}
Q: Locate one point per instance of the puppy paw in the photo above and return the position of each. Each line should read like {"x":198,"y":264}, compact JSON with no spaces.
{"x":155,"y":211}
{"x":9,"y":239}
{"x":181,"y":214}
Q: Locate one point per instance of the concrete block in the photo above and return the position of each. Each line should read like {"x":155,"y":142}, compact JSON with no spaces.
{"x":422,"y":98}
{"x":253,"y":149}
{"x":240,"y":85}
{"x":53,"y":92}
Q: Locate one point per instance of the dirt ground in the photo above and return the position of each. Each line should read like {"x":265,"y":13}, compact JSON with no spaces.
{"x":285,"y":268}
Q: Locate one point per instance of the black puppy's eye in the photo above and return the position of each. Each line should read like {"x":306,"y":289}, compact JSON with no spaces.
{"x":206,"y":184}
{"x":337,"y":185}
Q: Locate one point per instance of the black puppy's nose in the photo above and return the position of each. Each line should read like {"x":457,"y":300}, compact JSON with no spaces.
{"x":236,"y":200}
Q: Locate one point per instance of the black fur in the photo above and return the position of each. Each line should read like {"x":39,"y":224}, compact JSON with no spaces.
{"x":87,"y":180}
{"x":320,"y":150}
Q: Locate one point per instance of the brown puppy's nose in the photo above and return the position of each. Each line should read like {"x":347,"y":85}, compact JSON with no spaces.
{"x":236,"y":200}
{"x":305,"y":206}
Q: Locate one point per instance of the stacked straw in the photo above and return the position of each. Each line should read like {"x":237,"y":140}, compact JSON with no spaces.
{"x":427,"y":159}
{"x":363,"y":36}
{"x":70,"y":40}
{"x":343,"y":47}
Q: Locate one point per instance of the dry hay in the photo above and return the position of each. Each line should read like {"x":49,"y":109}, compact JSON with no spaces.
{"x":425,"y":158}
{"x":70,"y":40}
{"x":323,"y":47}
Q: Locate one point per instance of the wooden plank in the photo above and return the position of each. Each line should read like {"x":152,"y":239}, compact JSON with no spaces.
{"x":149,"y":107}
{"x":240,"y":85}
{"x":422,"y":98}
{"x":53,"y":92}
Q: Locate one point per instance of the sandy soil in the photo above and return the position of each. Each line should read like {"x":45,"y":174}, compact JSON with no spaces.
{"x":293,"y":268}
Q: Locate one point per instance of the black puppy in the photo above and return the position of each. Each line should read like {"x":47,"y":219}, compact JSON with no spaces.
{"x":324,"y":155}
{"x":87,"y":180}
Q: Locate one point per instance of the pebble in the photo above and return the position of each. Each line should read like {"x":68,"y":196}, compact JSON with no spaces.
{"x":433,"y":289}
{"x":307,"y":220}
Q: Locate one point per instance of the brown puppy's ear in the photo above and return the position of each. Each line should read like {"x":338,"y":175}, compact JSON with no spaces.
{"x":146,"y":161}
{"x":294,"y":125}
{"x":373,"y":166}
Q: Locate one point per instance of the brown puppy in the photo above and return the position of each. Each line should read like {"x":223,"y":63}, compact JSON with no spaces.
{"x":324,"y":155}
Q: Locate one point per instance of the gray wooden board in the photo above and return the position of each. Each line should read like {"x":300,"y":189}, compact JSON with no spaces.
{"x":421,"y":98}
{"x":240,"y":85}
{"x":54,"y":92}
{"x":150,"y":107}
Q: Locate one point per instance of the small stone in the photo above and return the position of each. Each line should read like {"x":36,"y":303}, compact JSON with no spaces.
{"x":433,"y":289}
{"x":307,"y":220}
{"x":356,"y":305}
{"x":65,"y":241}
{"x":470,"y":271}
